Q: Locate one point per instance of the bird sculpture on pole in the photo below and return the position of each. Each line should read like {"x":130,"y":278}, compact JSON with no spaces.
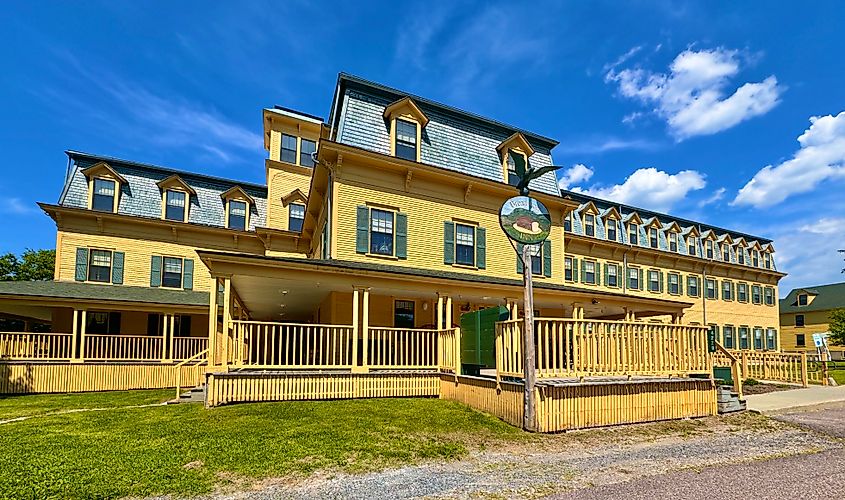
{"x":526,"y":175}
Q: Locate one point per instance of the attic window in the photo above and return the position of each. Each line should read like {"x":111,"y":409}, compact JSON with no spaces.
{"x":103,"y":197}
{"x":174,"y":205}
{"x":514,"y":159}
{"x":673,"y":241}
{"x":802,"y":299}
{"x":237,"y":215}
{"x":406,"y":140}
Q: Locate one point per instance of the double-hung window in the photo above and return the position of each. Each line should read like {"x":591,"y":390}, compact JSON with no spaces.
{"x":756,"y":296}
{"x":99,"y":266}
{"x":513,"y":175}
{"x":589,"y":272}
{"x":710,"y":288}
{"x":288,"y":153}
{"x":692,"y":286}
{"x":799,"y":320}
{"x":692,"y":245}
{"x":740,"y":255}
{"x":590,"y":225}
{"x":673,"y":241}
{"x":536,"y":252}
{"x":633,"y":234}
{"x":771,"y":339}
{"x":406,"y":140}
{"x":802,"y":299}
{"x":758,"y":338}
{"x":296,"y":216}
{"x":610,"y":229}
{"x":306,"y":147}
{"x":464,"y":244}
{"x":612,"y":275}
{"x":708,"y":249}
{"x":800,"y":340}
{"x":381,"y":232}
{"x":103,"y":196}
{"x":767,"y":260}
{"x":728,"y":332}
{"x":743,"y":337}
{"x":567,"y":222}
{"x":174,"y":205}
{"x":755,"y":258}
{"x":652,"y":237}
{"x":633,"y":278}
{"x":237,"y":215}
{"x":770,"y":296}
{"x":653,"y":280}
{"x":742,"y":292}
{"x":727,"y":290}
{"x":674,"y":283}
{"x":726,"y":252}
{"x":171,"y":275}
{"x":567,"y":269}
{"x":403,"y":314}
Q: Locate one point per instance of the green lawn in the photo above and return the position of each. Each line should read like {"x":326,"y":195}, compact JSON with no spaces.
{"x":185,"y":449}
{"x":40,"y":404}
{"x":838,"y":376}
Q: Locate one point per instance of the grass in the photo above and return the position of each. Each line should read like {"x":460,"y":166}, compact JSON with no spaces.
{"x":185,"y":449}
{"x":25,"y":406}
{"x":838,"y":376}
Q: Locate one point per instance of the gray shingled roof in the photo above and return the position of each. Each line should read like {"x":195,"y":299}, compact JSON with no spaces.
{"x":142,"y":197}
{"x":827,"y":297}
{"x":452,"y":140}
{"x":103,"y":293}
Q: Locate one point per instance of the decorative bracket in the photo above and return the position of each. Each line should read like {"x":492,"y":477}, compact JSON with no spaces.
{"x":408,"y":177}
{"x":467,"y":190}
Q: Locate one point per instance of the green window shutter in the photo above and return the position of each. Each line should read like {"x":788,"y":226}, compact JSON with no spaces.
{"x":680,"y":284}
{"x":448,"y":242}
{"x":81,"y":264}
{"x":583,"y":273}
{"x":606,"y":274}
{"x":733,"y":291}
{"x":574,"y":269}
{"x":401,"y":235}
{"x":117,"y":268}
{"x":362,"y":236}
{"x":689,"y":290}
{"x":155,"y":271}
{"x":642,"y":284}
{"x":598,"y":273}
{"x":188,"y":274}
{"x":547,"y":259}
{"x":628,"y":279}
{"x":660,"y":280}
{"x":519,"y":264}
{"x":481,"y":247}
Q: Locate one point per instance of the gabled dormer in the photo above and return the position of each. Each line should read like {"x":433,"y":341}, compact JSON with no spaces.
{"x":238,"y":205}
{"x":740,"y":245}
{"x":633,"y":221}
{"x":175,"y":198}
{"x":295,"y":203}
{"x":804,"y":297}
{"x":104,"y":186}
{"x":768,"y":258}
{"x":726,"y":244}
{"x":611,"y":218}
{"x":672,"y":231}
{"x":711,"y":244}
{"x":407,"y":122}
{"x":692,"y":236}
{"x":653,"y":227}
{"x":514,"y":153}
{"x":588,"y":213}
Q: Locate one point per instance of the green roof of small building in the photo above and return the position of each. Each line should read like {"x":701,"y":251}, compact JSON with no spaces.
{"x":826,"y":297}
{"x":103,"y":293}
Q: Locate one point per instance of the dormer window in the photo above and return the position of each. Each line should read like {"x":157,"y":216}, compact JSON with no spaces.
{"x":567,"y":222}
{"x":740,"y":255}
{"x":767,"y":260}
{"x":610,"y":229}
{"x":288,"y":153}
{"x":755,"y":258}
{"x":296,"y":217}
{"x":514,"y":153}
{"x":513,"y":159}
{"x":406,"y":140}
{"x":692,"y":245}
{"x":104,"y":195}
{"x":802,"y":299}
{"x":238,"y":204}
{"x":726,"y":252}
{"x":673,"y":241}
{"x":633,"y":233}
{"x":652,"y":237}
{"x":589,"y":224}
{"x":708,"y":249}
{"x":174,"y":208}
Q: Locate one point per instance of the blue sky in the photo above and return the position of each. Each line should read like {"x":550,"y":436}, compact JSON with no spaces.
{"x":724,"y":112}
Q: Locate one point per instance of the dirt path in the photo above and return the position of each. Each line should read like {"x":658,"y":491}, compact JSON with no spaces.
{"x":556,"y":464}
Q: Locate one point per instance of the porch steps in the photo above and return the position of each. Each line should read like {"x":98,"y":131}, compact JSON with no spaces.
{"x":728,"y":400}
{"x":195,"y":395}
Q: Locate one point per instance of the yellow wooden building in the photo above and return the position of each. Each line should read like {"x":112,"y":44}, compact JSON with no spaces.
{"x":806,"y":311}
{"x":347,"y":273}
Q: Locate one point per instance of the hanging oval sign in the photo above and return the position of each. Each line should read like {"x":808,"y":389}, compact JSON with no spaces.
{"x":525,"y":220}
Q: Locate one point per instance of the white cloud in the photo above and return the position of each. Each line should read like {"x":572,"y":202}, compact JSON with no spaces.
{"x":713,"y":198}
{"x":808,"y":252}
{"x":16,"y":206}
{"x":575,"y":174}
{"x":691,"y":96}
{"x":650,"y":188}
{"x":820,"y":158}
{"x":600,"y":144}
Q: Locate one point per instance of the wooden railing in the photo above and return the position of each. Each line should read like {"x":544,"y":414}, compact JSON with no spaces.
{"x":582,"y":347}
{"x":773,"y":366}
{"x":402,"y":348}
{"x":449,"y":350}
{"x":123,"y":348}
{"x":200,"y":357}
{"x":25,"y":346}
{"x":188,"y":347}
{"x":259,"y":344}
{"x":723,"y":357}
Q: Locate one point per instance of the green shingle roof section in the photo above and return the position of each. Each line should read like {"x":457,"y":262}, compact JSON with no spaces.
{"x":826,"y":297}
{"x":103,"y":293}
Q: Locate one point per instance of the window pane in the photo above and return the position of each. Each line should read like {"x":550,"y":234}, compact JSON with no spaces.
{"x":99,"y":266}
{"x":403,"y":314}
{"x":381,"y":232}
{"x":175,"y":206}
{"x":172,"y":275}
{"x":464,"y":244}
{"x":103,"y":197}
{"x":406,"y":140}
{"x":296,"y":217}
{"x":237,"y":215}
{"x":288,"y":148}
{"x":306,"y":148}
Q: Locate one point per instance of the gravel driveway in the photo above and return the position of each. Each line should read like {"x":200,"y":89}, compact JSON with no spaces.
{"x":586,"y":461}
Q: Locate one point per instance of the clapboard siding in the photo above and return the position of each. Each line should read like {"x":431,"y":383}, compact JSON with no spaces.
{"x":29,"y":378}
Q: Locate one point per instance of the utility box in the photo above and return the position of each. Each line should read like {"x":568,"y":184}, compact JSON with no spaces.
{"x":478,"y":338}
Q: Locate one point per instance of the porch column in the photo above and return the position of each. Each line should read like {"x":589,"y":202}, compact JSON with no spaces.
{"x":511,"y":305}
{"x":355,"y":328}
{"x":82,"y":327}
{"x":577,"y":310}
{"x":439,"y":311}
{"x":227,"y":319}
{"x":448,"y":311}
{"x":365,"y":326}
{"x":172,"y":331}
{"x":165,"y":323}
{"x":212,"y":323}
{"x":74,"y":341}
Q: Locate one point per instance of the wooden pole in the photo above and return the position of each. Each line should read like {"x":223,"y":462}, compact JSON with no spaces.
{"x":212,"y":324}
{"x":355,"y":326}
{"x":227,"y":320}
{"x":365,"y":330}
{"x":529,"y":421}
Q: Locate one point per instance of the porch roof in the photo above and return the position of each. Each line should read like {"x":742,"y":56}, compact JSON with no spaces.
{"x":72,"y":292}
{"x":250,"y":268}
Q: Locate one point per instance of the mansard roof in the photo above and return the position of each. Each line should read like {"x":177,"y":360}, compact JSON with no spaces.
{"x":141,"y":194}
{"x":452,"y":140}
